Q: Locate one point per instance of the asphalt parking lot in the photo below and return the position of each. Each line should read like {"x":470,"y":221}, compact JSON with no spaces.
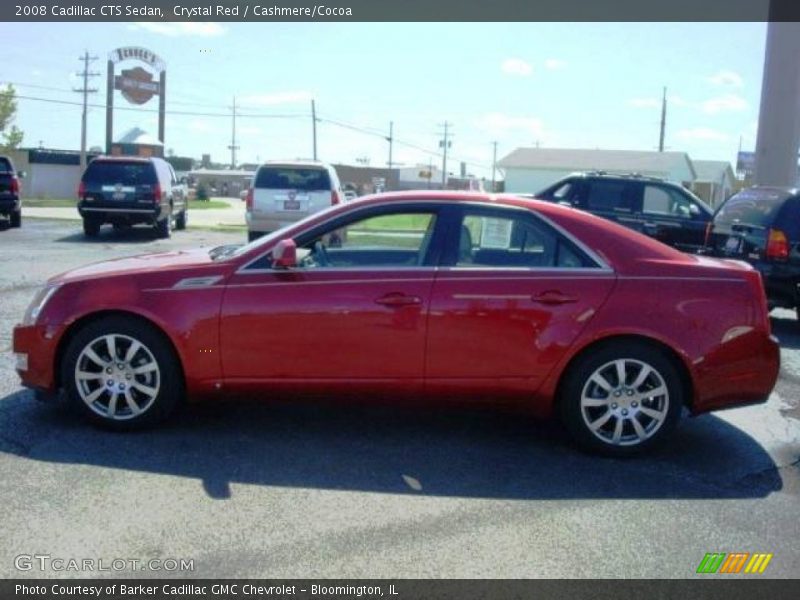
{"x":281,"y":490}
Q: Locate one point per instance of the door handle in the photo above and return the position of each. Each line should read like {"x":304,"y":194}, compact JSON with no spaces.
{"x":553,"y":297}
{"x":398,"y":299}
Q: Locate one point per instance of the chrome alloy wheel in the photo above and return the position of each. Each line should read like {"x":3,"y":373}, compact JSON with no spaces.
{"x":117,"y":377}
{"x":625,"y":402}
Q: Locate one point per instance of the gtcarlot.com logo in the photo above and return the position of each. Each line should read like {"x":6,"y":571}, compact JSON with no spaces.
{"x":734,"y":562}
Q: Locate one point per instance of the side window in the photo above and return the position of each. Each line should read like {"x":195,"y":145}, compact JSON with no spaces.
{"x":514,"y":241}
{"x":658,"y":200}
{"x":610,"y":196}
{"x":397,"y":239}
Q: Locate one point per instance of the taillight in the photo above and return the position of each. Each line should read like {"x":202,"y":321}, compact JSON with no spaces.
{"x":14,"y":185}
{"x":157,"y":193}
{"x":248,"y":202}
{"x":335,"y":199}
{"x":81,"y":190}
{"x":777,"y":245}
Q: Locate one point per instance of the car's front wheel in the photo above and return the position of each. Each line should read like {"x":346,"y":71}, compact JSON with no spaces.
{"x":622,"y":399}
{"x":181,"y":219}
{"x":164,"y":227}
{"x":122,"y":373}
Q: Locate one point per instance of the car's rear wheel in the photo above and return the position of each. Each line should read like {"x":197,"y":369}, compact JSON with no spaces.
{"x":181,"y":219}
{"x":164,"y":228}
{"x":91,"y":227}
{"x":122,"y":374}
{"x":15,"y":218}
{"x":622,"y":399}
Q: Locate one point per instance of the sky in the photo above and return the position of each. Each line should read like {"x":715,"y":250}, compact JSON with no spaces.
{"x":557,"y":85}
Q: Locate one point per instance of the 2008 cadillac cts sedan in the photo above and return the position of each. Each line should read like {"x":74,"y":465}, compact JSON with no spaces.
{"x":427,"y":294}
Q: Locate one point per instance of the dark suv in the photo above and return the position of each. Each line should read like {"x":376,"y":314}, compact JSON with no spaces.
{"x":665,"y":211}
{"x":10,"y":205}
{"x":125,"y":191}
{"x":761,"y":225}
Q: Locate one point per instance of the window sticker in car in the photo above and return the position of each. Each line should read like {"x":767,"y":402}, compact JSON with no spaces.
{"x":496,"y":233}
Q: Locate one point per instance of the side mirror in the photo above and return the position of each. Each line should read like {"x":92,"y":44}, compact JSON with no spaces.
{"x":694,"y":210}
{"x":284,"y":255}
{"x":21,"y":174}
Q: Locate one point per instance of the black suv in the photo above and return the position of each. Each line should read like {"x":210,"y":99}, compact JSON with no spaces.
{"x":761,"y":225}
{"x":125,"y":191}
{"x":10,"y":205}
{"x":665,"y":211}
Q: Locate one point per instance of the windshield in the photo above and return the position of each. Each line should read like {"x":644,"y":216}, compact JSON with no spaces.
{"x":752,"y":208}
{"x":5,"y":166}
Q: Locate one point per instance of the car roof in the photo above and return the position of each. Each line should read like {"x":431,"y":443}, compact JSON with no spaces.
{"x":775,"y":191}
{"x":141,"y":159}
{"x":295,"y":163}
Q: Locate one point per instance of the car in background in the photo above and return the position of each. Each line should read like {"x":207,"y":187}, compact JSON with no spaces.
{"x":761,"y":225}
{"x":126,"y":191}
{"x":350,"y":195}
{"x":657,"y":208}
{"x":10,"y":203}
{"x":454,"y":295}
{"x":283,"y":192}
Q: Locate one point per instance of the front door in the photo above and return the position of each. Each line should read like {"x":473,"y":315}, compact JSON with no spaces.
{"x":354,"y":310}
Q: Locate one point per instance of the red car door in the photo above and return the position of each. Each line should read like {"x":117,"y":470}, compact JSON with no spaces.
{"x":515,"y":294}
{"x":354,"y":310}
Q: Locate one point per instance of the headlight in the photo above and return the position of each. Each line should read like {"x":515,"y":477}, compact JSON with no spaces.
{"x":38,"y":303}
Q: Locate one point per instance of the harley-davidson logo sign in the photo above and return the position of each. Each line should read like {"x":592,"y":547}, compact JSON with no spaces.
{"x":137,"y":85}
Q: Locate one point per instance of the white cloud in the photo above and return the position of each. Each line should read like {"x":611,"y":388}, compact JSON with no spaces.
{"x":727,"y":102}
{"x":516,"y":66}
{"x":731,"y":78}
{"x":644,"y":102}
{"x":677,"y":101}
{"x":275,"y":98}
{"x":499,"y":124}
{"x":176,"y":29}
{"x":554,"y":64}
{"x":702,"y":133}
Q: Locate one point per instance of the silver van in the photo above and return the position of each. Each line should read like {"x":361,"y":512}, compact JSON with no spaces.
{"x":283,"y":192}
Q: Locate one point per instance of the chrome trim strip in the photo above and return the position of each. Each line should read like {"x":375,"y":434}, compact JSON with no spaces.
{"x":341,"y":270}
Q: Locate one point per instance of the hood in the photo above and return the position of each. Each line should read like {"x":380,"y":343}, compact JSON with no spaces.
{"x":143,"y":263}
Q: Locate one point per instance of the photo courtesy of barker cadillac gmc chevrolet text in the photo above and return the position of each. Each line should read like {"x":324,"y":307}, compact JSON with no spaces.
{"x":444,"y":295}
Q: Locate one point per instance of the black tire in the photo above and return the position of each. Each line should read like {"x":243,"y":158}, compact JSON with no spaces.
{"x":167,"y":380}
{"x":15,"y":219}
{"x":181,"y":219}
{"x":623,"y":406}
{"x":91,"y":227}
{"x":164,"y":228}
{"x":254,"y":235}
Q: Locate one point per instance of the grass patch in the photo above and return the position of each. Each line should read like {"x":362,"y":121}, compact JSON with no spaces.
{"x":206,"y":204}
{"x":49,"y":202}
{"x":396,"y":223}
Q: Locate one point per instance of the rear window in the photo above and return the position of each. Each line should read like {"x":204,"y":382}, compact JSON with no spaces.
{"x":610,"y":196}
{"x":5,"y":166}
{"x":753,"y":208}
{"x":126,"y":173}
{"x":292,"y":178}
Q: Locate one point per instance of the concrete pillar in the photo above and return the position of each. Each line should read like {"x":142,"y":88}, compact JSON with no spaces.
{"x":779,"y":117}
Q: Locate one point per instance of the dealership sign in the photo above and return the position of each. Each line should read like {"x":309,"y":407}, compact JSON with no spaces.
{"x":138,"y":84}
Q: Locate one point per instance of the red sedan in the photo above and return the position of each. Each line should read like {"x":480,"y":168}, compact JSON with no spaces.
{"x":446,"y":295}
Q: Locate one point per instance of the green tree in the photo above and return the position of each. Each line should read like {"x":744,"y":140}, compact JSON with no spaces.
{"x":11,"y":135}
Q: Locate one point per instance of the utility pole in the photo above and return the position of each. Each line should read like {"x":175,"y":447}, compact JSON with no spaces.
{"x":85,"y":90}
{"x":494,"y":164}
{"x":445,"y":143}
{"x":314,"y":126}
{"x":390,"y":139}
{"x":663,"y":121}
{"x":233,"y":147}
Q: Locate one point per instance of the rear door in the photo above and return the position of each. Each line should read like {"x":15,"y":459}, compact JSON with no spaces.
{"x":289,"y":193}
{"x":510,"y":297}
{"x":614,"y":199}
{"x":120,"y":184}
